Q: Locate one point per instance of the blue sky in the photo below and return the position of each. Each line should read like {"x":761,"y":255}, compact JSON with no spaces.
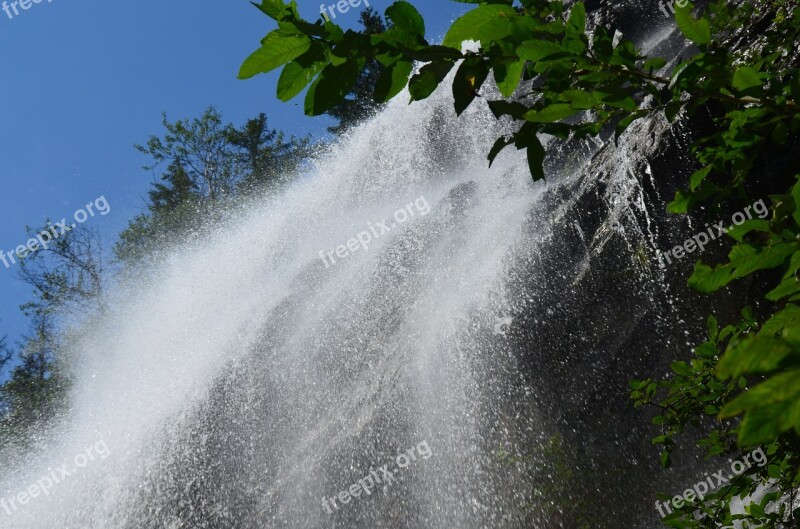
{"x":85,"y":80}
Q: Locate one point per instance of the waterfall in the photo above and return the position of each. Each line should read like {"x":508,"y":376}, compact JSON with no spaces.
{"x":261,"y":370}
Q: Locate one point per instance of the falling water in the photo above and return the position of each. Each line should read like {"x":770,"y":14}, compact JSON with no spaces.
{"x":250,"y":376}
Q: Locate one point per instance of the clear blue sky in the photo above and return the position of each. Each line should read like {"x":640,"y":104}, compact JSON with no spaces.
{"x":85,"y":80}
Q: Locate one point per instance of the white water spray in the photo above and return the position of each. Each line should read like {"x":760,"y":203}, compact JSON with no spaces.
{"x":245,"y":381}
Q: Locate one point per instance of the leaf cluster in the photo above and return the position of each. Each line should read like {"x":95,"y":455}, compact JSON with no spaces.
{"x":726,"y":377}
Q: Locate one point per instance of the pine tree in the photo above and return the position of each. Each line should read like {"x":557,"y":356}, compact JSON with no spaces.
{"x":210,"y":163}
{"x":177,"y":189}
{"x":264,"y":154}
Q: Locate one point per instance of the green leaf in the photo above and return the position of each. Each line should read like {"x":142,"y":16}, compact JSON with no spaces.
{"x":406,"y":17}
{"x":781,"y":387}
{"x":706,"y":350}
{"x":424,"y":82}
{"x":706,"y":279}
{"x":760,"y":426}
{"x":502,"y":107}
{"x":550,"y":113}
{"x":790,"y":417}
{"x":672,"y":109}
{"x":579,"y":99}
{"x":508,"y":76}
{"x":537,"y":50}
{"x":276,"y":50}
{"x":712,"y":327}
{"x":779,"y":323}
{"x":294,"y":78}
{"x":683,"y":202}
{"x":754,"y":354}
{"x":698,"y":176}
{"x":787,"y":287}
{"x":432,"y":53}
{"x":468,"y":80}
{"x":681,"y":368}
{"x":333,"y":32}
{"x":576,"y":24}
{"x":616,"y":98}
{"x":654,"y":64}
{"x":485,"y":24}
{"x":393,"y":80}
{"x":739,"y":232}
{"x":272,"y":8}
{"x":332,"y":85}
{"x":499,"y":144}
{"x":746,"y":77}
{"x":666,"y":459}
{"x":698,"y":31}
{"x":744,"y":259}
{"x":769,"y":409}
{"x":536,"y":158}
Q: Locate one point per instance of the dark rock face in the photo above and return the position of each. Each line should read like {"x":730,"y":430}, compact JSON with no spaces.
{"x":612,"y":315}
